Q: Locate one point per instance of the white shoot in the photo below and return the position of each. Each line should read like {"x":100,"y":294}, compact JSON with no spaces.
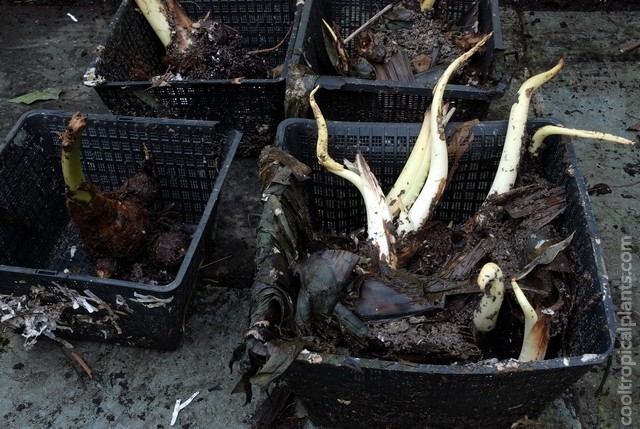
{"x":359,"y":174}
{"x":508,"y":168}
{"x":550,"y":130}
{"x":408,"y":184}
{"x":439,"y":169}
{"x":486,"y":315}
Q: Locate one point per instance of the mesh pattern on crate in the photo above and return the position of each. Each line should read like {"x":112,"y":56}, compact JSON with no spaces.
{"x":32,"y":190}
{"x":262,"y":24}
{"x":337,"y":206}
{"x":449,"y":389}
{"x":389,"y":103}
{"x":131,"y":40}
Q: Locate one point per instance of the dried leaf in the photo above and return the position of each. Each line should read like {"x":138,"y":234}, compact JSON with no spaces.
{"x":335,"y":48}
{"x":381,"y":301}
{"x":545,"y":257}
{"x":83,"y":364}
{"x":281,"y":355}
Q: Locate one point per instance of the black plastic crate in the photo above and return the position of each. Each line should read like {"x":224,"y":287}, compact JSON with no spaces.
{"x":387,"y":394}
{"x":253,"y":106}
{"x":37,"y":235}
{"x":354,"y":99}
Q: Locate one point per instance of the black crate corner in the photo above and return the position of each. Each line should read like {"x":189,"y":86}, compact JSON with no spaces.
{"x":41,"y":255}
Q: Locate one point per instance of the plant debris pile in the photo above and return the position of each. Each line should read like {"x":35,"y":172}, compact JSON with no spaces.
{"x":348,"y":304}
{"x":426,"y":314}
{"x":123,"y":234}
{"x":408,"y":45}
{"x":216,"y":53}
{"x":339,"y":299}
{"x":205,"y":49}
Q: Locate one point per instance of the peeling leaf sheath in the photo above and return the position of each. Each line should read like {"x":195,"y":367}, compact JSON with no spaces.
{"x":508,"y":168}
{"x":530,"y":316}
{"x":360,"y":175}
{"x":534,"y":346}
{"x":436,"y":179}
{"x":378,"y":216}
{"x":549,"y":130}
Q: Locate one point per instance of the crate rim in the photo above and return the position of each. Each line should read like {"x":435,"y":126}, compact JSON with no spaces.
{"x":233,"y":138}
{"x":451,"y":90}
{"x":478,"y":368}
{"x":602,"y":279}
{"x":98,"y":83}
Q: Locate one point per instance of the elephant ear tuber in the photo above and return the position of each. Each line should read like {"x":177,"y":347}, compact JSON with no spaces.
{"x":113,"y":226}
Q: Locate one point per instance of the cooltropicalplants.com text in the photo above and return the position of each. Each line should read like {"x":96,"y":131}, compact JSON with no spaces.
{"x":626,"y":327}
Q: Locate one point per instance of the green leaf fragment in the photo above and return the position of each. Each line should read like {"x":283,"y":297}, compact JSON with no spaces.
{"x":32,"y":97}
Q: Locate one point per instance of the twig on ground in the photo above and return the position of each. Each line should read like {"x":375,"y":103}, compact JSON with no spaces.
{"x":630,"y":47}
{"x":179,"y":406}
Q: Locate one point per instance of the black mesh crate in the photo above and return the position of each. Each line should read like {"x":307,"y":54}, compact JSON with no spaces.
{"x":42,"y":259}
{"x":378,"y":393}
{"x":253,"y":106}
{"x":355,"y":99}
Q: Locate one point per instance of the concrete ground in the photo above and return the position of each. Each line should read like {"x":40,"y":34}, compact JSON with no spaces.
{"x":40,"y":46}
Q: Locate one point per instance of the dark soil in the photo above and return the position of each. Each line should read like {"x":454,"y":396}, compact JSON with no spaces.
{"x":216,"y":53}
{"x":511,"y":231}
{"x":427,"y":42}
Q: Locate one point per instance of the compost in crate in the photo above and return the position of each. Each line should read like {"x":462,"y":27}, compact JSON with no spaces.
{"x":130,"y":76}
{"x":422,"y":282}
{"x":390,"y":382}
{"x":406,"y":43}
{"x":354,"y":96}
{"x":205,"y":49}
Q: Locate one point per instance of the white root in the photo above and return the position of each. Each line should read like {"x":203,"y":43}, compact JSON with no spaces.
{"x":486,"y":315}
{"x":549,"y":130}
{"x":508,"y":168}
